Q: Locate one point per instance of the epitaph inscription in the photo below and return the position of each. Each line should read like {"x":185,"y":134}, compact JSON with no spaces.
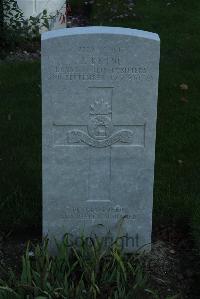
{"x":99,"y":128}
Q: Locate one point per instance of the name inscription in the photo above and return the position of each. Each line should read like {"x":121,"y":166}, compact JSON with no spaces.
{"x":88,"y":65}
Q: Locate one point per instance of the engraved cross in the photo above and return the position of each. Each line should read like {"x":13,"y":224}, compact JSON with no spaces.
{"x":100,"y":134}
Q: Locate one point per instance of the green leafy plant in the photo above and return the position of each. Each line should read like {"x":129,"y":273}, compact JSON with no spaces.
{"x":16,"y":29}
{"x":11,"y":14}
{"x":11,"y":19}
{"x":84,"y":271}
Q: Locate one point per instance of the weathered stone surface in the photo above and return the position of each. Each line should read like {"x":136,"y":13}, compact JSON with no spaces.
{"x":99,"y":128}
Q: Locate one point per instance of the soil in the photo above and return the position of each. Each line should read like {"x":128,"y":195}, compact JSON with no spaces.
{"x":13,"y":246}
{"x":174,"y":261}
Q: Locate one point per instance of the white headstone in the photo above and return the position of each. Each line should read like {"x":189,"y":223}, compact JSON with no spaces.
{"x":35,"y":7}
{"x":99,"y":128}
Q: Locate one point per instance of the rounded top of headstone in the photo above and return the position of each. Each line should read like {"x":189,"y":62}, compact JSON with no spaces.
{"x":100,"y":30}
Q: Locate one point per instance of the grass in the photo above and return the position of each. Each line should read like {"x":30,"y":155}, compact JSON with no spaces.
{"x":20,"y":151}
{"x":177,"y":175}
